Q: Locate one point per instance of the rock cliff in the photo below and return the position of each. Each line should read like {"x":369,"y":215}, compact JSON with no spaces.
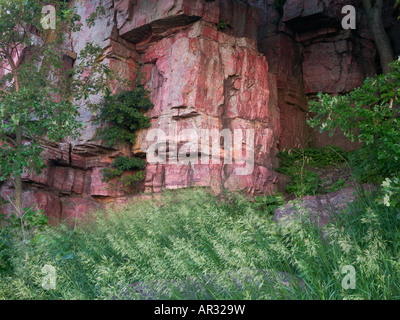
{"x":255,"y":71}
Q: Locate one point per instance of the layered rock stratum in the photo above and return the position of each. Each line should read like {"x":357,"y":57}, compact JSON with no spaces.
{"x":258,"y":71}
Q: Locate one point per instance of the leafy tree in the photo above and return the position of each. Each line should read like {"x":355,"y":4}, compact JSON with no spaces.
{"x":370,"y":114}
{"x":37,"y":93}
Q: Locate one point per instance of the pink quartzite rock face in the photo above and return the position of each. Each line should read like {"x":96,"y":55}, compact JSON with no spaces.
{"x":202,"y":78}
{"x":204,"y":71}
{"x":35,"y":199}
{"x":342,"y":69}
{"x":222,"y":64}
{"x":309,"y":52}
{"x":146,"y":21}
{"x":322,"y":12}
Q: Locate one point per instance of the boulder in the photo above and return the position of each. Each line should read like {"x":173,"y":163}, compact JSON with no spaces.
{"x":321,"y":209}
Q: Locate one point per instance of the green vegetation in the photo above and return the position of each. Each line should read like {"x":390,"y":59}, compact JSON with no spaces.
{"x":369,"y":114}
{"x":268,"y":204}
{"x":122,"y":165}
{"x":301,"y":164}
{"x":124,"y":115}
{"x":279,"y":4}
{"x":391,"y":192}
{"x":323,"y":157}
{"x":189,"y":243}
{"x":188,"y":237}
{"x":337,"y":185}
{"x":37,"y":94}
{"x":221,"y":25}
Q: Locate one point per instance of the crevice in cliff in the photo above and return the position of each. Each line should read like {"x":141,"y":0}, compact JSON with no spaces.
{"x":162,"y":175}
{"x":159,"y":29}
{"x":190,"y":175}
{"x":226,"y":124}
{"x":70,"y":154}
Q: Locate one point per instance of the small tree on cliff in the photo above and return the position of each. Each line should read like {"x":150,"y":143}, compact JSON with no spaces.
{"x":37,"y":92}
{"x":124,"y":114}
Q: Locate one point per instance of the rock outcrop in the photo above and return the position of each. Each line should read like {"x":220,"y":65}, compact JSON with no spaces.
{"x":222,"y":64}
{"x":310,"y":52}
{"x":320,"y":209}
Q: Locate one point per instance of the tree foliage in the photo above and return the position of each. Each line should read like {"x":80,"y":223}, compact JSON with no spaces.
{"x":124,"y":114}
{"x":38,"y":93}
{"x":369,"y":114}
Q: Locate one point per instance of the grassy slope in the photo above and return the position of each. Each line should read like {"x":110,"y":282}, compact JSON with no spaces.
{"x":191,"y":234}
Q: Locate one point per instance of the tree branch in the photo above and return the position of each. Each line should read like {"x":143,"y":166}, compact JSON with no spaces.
{"x":5,"y":68}
{"x":378,"y":5}
{"x":367,"y":5}
{"x":12,"y":141}
{"x":2,"y":90}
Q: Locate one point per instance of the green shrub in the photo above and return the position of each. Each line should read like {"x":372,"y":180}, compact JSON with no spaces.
{"x":337,"y":185}
{"x":221,"y":25}
{"x":303,"y":182}
{"x":268,"y":204}
{"x":298,"y":165}
{"x":367,"y":168}
{"x":124,"y":115}
{"x":391,"y":192}
{"x":24,"y":231}
{"x":122,"y":164}
{"x":369,"y":114}
{"x":34,"y":220}
{"x":322,"y":157}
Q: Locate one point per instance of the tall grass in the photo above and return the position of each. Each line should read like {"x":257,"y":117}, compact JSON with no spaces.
{"x":195,"y":246}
